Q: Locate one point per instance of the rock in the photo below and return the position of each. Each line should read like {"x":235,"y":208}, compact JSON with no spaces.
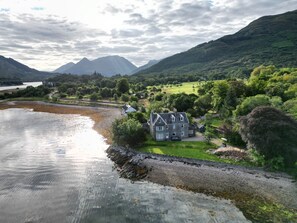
{"x":128,"y":162}
{"x":231,"y":153}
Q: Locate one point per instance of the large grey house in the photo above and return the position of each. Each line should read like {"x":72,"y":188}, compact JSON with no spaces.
{"x":169,"y":126}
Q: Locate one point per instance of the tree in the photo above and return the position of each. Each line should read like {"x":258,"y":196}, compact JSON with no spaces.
{"x":122,"y":86}
{"x":125,"y":98}
{"x":115,"y":97}
{"x":250,"y":103}
{"x":94,"y":97}
{"x":127,"y":132}
{"x":203,"y":104}
{"x":183,"y":102}
{"x":290,"y":107}
{"x":219,"y":91}
{"x":271,"y":133}
{"x":139,"y":116}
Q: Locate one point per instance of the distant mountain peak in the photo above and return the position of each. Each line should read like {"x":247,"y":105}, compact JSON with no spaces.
{"x":84,"y":60}
{"x":107,"y":66}
{"x":63,"y":68}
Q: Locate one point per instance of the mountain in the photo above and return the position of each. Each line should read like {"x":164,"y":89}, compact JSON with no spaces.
{"x":11,"y":69}
{"x":64,"y":67}
{"x":145,"y":66}
{"x":267,"y":40}
{"x":107,"y":66}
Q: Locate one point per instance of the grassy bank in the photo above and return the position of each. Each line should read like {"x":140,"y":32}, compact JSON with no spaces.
{"x":186,"y":149}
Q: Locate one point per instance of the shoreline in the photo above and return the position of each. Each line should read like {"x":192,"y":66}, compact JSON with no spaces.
{"x":102,"y":116}
{"x":245,"y":186}
{"x":241,"y":185}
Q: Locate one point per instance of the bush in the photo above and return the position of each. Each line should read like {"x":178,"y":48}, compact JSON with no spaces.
{"x":272,"y":133}
{"x":133,"y":99}
{"x":127,"y":132}
{"x":125,"y":98}
{"x":94,"y":97}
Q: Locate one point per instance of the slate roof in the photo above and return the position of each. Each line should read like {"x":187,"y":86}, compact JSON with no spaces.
{"x":167,"y":118}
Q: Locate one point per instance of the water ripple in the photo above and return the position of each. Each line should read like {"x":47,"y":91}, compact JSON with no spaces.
{"x":53,"y":169}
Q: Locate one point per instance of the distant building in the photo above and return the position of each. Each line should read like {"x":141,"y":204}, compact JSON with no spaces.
{"x":169,"y":126}
{"x":127,"y":109}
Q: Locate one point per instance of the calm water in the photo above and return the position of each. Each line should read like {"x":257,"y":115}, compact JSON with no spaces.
{"x":25,"y":84}
{"x":53,"y":169}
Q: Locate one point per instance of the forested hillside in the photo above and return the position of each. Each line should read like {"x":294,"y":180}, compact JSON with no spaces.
{"x":268,"y":40}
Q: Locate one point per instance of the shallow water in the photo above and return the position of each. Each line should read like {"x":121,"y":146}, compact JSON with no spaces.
{"x":53,"y":168}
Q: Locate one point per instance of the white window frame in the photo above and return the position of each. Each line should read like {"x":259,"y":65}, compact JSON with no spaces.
{"x":173,"y":118}
{"x":160,"y":128}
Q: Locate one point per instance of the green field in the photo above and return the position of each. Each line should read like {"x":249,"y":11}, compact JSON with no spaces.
{"x":195,"y":150}
{"x":186,"y":87}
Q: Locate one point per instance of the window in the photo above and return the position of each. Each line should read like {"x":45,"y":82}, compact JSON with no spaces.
{"x":172,"y":118}
{"x":173,"y":134}
{"x":173,"y":126}
{"x":182,"y":125}
{"x":182,"y":133}
{"x":181,"y":118}
{"x":160,"y":128}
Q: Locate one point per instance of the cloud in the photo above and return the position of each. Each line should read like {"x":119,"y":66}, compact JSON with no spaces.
{"x":37,"y":8}
{"x":4,"y":10}
{"x":45,"y":36}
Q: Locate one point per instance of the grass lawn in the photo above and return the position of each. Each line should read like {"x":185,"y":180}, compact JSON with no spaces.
{"x":216,"y":122}
{"x":186,"y":87}
{"x":196,"y":150}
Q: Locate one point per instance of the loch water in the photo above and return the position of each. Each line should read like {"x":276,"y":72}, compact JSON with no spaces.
{"x":53,"y":168}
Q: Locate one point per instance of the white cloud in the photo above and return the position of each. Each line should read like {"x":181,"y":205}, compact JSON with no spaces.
{"x":46,"y":34}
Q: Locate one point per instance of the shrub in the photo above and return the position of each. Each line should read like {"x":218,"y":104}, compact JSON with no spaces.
{"x":272,"y":133}
{"x":127,"y":132}
{"x":125,"y":98}
{"x":94,"y":97}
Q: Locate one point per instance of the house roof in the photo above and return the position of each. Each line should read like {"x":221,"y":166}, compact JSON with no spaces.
{"x":126,"y":107}
{"x":169,"y":118}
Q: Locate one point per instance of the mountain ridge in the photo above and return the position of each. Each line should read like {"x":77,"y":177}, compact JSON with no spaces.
{"x":267,"y":40}
{"x":14,"y":70}
{"x":145,"y":66}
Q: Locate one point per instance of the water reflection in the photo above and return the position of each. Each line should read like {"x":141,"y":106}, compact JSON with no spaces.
{"x":53,"y":169}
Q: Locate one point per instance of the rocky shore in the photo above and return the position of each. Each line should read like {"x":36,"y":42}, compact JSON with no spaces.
{"x":218,"y":179}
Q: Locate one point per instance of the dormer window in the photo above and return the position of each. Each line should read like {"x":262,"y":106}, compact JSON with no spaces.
{"x":181,"y":118}
{"x":172,"y":118}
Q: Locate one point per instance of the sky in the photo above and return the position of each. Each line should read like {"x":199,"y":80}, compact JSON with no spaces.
{"x":45,"y":34}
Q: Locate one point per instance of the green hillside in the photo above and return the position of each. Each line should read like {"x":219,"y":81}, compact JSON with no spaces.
{"x":268,"y":40}
{"x":12,"y":70}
